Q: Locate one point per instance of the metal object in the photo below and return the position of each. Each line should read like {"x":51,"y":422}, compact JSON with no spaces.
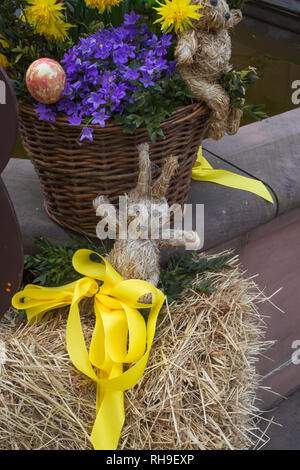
{"x":11,"y":246}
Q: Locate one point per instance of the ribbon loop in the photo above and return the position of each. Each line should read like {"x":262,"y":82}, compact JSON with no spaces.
{"x":120,"y":335}
{"x":203,"y":171}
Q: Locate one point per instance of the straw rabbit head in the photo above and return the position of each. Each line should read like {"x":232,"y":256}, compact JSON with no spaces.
{"x":216,"y":16}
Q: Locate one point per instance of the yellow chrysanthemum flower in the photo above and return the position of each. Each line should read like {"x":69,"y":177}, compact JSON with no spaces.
{"x":3,"y":60}
{"x":177,"y":14}
{"x":47,"y":19}
{"x":102,"y":4}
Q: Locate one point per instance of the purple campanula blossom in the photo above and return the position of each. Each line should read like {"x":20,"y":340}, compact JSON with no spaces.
{"x":76,"y":86}
{"x":70,"y":108}
{"x":87,"y":133}
{"x":131,"y":19}
{"x":166,"y":40}
{"x":171,"y":68}
{"x":75,"y":120}
{"x":96,"y":99}
{"x":46,"y":113}
{"x":131,"y":74}
{"x":146,"y":80}
{"x":100,"y":117}
{"x":118,"y":93}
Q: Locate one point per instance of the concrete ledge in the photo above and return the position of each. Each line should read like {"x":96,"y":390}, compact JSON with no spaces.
{"x":270,"y":151}
{"x":267,"y":150}
{"x":26,"y":194}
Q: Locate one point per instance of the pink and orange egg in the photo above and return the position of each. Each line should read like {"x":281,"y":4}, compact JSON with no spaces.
{"x":46,"y":80}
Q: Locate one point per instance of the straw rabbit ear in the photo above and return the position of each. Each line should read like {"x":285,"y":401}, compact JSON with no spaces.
{"x":143,"y":186}
{"x":161,"y":185}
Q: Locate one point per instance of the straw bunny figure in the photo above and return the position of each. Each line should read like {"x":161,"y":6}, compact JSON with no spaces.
{"x":138,"y":256}
{"x":203,"y":56}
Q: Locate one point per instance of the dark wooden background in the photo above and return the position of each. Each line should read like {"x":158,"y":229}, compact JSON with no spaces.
{"x":11,"y":247}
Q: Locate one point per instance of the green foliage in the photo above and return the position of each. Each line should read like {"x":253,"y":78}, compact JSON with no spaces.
{"x":24,"y":45}
{"x":235,"y":83}
{"x":236,"y":4}
{"x":180,"y":274}
{"x":153,"y":105}
{"x":52,"y":266}
{"x":145,"y":8}
{"x":86,"y":20}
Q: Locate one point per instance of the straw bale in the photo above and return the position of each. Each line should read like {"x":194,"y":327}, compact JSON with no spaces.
{"x":198,"y":391}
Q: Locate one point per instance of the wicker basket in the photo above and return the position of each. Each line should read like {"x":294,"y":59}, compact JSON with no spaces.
{"x":73,"y":174}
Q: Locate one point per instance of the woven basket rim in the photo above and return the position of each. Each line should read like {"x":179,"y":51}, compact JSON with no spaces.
{"x":181,"y":114}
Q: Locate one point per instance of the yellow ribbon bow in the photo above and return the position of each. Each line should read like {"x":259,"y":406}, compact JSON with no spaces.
{"x":203,"y":171}
{"x":120,"y":335}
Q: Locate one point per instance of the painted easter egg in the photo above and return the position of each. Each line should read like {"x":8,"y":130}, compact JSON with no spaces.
{"x":46,"y":80}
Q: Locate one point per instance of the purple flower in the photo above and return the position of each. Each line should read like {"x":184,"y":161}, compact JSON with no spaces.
{"x":75,"y":120}
{"x":105,"y":71}
{"x":96,"y":100}
{"x":68,"y":91}
{"x":171,"y":68}
{"x":100,"y":117}
{"x":118,"y":93}
{"x":70,"y":108}
{"x":131,"y":74}
{"x":76,"y":86}
{"x":87,"y":133}
{"x":131,"y":19}
{"x":147,"y":80}
{"x":102,"y":50}
{"x":122,"y":55}
{"x":166,"y":40}
{"x":45,"y":112}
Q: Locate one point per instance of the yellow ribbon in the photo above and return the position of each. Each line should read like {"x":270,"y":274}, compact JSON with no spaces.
{"x":120,"y":335}
{"x":203,"y":171}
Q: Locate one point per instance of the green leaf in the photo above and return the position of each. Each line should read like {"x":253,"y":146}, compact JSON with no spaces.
{"x":18,"y":58}
{"x":53,"y":265}
{"x":180,"y":274}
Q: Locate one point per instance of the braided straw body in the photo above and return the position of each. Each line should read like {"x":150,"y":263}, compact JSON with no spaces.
{"x":203,"y":56}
